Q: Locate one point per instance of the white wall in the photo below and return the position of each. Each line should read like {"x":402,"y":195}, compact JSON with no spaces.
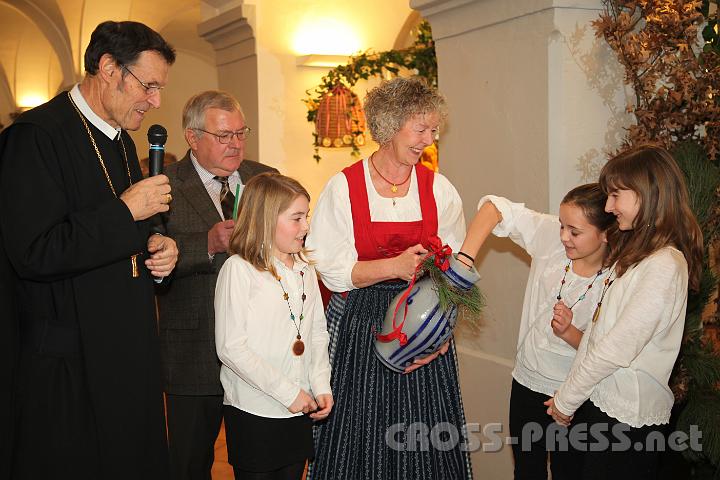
{"x":586,"y":101}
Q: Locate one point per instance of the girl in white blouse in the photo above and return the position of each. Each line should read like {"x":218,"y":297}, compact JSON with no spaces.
{"x":271,"y":334}
{"x":568,"y":267}
{"x":618,"y":385}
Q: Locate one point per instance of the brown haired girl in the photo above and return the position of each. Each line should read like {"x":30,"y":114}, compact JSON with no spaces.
{"x":271,"y":334}
{"x":566,"y":276}
{"x":618,"y":386}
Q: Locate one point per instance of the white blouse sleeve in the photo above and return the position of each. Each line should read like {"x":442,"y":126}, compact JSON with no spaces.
{"x":320,"y":366}
{"x":331,"y":238}
{"x":451,"y":220}
{"x":232,"y":295}
{"x":537,"y":233}
{"x":660,"y":284}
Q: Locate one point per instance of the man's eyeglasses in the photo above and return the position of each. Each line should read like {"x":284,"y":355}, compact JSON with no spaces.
{"x":226,"y":137}
{"x":149,"y":89}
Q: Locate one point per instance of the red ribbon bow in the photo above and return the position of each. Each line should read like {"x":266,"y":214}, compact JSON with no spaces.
{"x":442,"y":261}
{"x":442,"y":253}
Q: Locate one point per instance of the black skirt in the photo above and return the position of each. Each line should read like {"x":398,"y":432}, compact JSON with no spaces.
{"x":261,"y":444}
{"x":370,"y":399}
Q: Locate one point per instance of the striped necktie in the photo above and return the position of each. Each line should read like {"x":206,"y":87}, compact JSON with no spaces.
{"x":227,"y":199}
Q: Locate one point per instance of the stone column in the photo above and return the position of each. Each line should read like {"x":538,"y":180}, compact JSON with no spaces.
{"x":535,"y":102}
{"x":230,"y":31}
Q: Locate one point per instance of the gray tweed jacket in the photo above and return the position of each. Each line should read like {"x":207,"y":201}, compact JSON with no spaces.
{"x":185,"y":301}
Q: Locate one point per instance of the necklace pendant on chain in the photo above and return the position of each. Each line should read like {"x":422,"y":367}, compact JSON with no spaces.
{"x":133,"y":259}
{"x":394,"y":188}
{"x":298,"y":347}
{"x":133,"y":264}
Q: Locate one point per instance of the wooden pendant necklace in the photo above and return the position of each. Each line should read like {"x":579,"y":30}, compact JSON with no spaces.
{"x":298,"y":345}
{"x":133,"y":258}
{"x":608,"y":283}
{"x":393,"y":185}
{"x":582,"y":297}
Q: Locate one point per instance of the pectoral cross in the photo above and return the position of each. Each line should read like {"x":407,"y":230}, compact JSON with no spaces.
{"x":133,"y":264}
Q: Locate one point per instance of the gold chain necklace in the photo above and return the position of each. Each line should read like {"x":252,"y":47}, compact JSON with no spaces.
{"x":394,"y":186}
{"x":133,"y":258}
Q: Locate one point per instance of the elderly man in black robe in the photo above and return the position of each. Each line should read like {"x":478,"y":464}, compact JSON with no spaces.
{"x":77,"y":265}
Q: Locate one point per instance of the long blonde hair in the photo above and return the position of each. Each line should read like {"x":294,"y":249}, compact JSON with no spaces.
{"x":263,"y":199}
{"x":664,"y":218}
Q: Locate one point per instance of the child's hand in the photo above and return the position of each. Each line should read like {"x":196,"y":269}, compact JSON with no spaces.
{"x":562,"y":326}
{"x":562,"y":319}
{"x":325,"y":402}
{"x":303,"y":403}
{"x":556,"y":414}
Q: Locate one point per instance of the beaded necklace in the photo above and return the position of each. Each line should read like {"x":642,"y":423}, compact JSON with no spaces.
{"x":582,"y":297}
{"x":608,"y":283}
{"x":298,"y":346}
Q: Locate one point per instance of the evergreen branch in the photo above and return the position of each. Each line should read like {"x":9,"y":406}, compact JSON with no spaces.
{"x":702,"y":410}
{"x":472,"y":299}
{"x":703,"y":366}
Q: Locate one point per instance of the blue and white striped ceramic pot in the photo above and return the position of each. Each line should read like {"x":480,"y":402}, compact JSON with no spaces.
{"x":427,"y":327}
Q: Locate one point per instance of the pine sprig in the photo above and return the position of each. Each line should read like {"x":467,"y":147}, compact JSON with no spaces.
{"x":472,"y":299}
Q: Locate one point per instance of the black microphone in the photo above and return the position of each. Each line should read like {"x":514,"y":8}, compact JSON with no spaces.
{"x":157,"y":136}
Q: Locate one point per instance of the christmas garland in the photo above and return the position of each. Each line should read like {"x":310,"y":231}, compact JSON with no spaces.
{"x":419,"y":58}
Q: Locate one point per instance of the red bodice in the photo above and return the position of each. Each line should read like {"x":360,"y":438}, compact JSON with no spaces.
{"x":376,"y":240}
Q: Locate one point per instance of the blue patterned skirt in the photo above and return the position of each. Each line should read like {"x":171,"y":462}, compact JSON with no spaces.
{"x":372,"y":403}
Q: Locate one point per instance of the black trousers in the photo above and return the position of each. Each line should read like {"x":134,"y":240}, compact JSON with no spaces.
{"x":289,"y":472}
{"x":193,"y":426}
{"x":618,"y":451}
{"x":535,"y":432}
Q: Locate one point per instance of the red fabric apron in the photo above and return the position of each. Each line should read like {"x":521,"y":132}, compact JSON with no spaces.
{"x":376,"y":240}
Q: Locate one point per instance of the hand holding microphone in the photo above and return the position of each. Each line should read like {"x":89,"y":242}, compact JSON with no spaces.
{"x":151,"y":195}
{"x":157,"y":136}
